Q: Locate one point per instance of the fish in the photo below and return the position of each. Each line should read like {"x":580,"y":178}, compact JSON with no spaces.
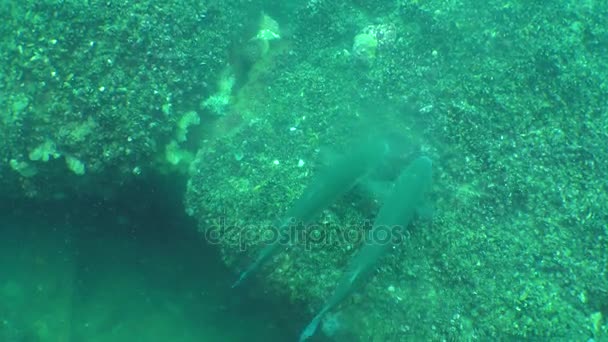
{"x":397,"y":212}
{"x":338,"y":177}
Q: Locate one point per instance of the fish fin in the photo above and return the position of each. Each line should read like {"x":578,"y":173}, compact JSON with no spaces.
{"x":354,"y":276}
{"x":266,"y":253}
{"x":311,"y":328}
{"x":242,"y":278}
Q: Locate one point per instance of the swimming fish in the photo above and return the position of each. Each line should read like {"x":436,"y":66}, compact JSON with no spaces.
{"x":338,"y":177}
{"x":396,"y":213}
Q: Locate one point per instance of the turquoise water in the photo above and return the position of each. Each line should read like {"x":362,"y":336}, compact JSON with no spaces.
{"x":117,"y":117}
{"x":97,"y":271}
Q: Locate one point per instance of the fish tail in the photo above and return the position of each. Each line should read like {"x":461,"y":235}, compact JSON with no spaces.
{"x":265,"y":254}
{"x":310,"y":329}
{"x":242,"y":278}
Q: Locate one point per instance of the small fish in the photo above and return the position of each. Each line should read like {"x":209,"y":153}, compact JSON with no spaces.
{"x":397,"y":212}
{"x":338,"y":177}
